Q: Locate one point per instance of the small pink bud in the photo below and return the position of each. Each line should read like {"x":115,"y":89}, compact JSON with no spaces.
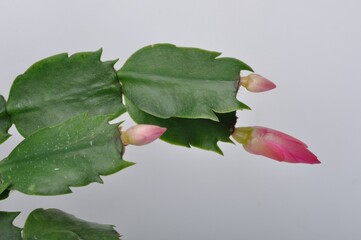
{"x":256,"y":83}
{"x":141,"y":134}
{"x":274,"y":144}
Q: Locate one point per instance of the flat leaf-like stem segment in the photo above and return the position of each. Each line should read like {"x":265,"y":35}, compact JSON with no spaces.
{"x":168,"y":81}
{"x":53,"y":224}
{"x":5,"y":122}
{"x":201,"y":133}
{"x":73,"y":153}
{"x":7,"y":230}
{"x":59,"y":87}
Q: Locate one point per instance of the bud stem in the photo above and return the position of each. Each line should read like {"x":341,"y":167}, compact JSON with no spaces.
{"x":242,"y":134}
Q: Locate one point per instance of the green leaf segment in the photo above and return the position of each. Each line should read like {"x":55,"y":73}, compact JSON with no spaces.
{"x":201,"y":133}
{"x":168,"y":81}
{"x":5,"y":122}
{"x":53,"y":224}
{"x":74,"y":153}
{"x":190,"y":91}
{"x":7,"y":230}
{"x":59,"y":87}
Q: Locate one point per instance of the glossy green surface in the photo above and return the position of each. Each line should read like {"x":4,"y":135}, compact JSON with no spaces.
{"x":73,"y":153}
{"x":53,"y":224}
{"x":7,"y":230}
{"x":168,"y":81}
{"x":5,"y":122}
{"x":59,"y":87}
{"x":201,"y":133}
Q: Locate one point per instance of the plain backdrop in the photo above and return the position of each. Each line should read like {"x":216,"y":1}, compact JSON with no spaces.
{"x":310,"y":49}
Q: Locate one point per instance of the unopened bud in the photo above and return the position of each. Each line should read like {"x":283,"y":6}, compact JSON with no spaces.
{"x":274,"y":144}
{"x":256,"y":83}
{"x":141,"y":134}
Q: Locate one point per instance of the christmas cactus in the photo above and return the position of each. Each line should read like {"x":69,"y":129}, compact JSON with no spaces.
{"x":62,"y":106}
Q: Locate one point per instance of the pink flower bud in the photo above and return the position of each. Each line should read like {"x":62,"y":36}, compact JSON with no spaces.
{"x":141,"y":134}
{"x":274,"y":144}
{"x":256,"y":83}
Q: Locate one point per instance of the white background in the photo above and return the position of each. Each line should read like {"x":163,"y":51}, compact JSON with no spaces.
{"x":310,"y":49}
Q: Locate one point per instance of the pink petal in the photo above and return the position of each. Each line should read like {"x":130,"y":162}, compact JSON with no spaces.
{"x":285,"y":136}
{"x":265,"y":148}
{"x":298,"y":154}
